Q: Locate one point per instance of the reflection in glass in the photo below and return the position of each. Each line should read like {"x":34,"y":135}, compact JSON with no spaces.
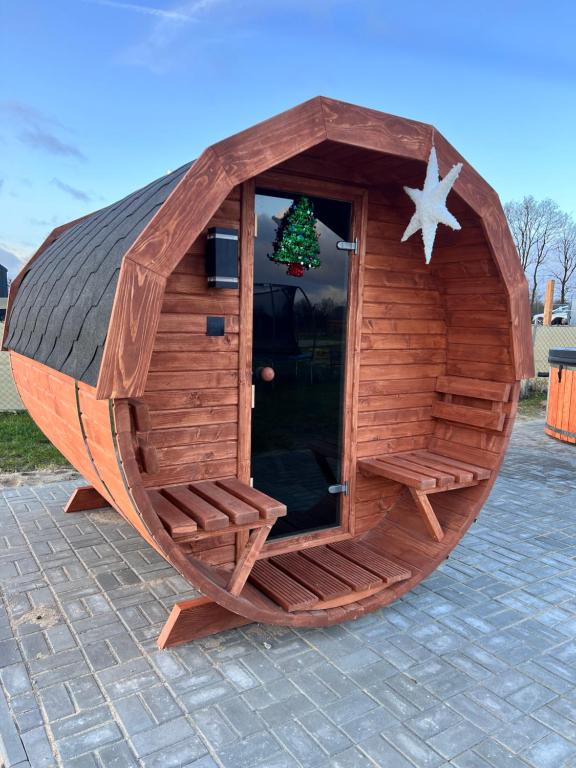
{"x":300,"y":331}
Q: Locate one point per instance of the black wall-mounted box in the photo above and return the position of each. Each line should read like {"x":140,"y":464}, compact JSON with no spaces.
{"x":222,"y":257}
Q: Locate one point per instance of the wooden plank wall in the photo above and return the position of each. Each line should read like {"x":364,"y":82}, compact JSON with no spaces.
{"x":192,"y":386}
{"x":403,"y":349}
{"x":50,"y":398}
{"x":80,"y":427}
{"x":478,"y":329}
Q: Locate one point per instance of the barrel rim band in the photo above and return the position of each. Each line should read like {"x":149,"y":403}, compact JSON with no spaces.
{"x":559,"y":431}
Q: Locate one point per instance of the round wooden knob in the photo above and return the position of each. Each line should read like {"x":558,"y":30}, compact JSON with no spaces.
{"x":267,"y":373}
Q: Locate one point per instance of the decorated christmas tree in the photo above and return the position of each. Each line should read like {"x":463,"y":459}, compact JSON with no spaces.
{"x":296,"y":241}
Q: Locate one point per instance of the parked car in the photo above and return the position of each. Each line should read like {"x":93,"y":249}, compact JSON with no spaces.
{"x":560,"y":316}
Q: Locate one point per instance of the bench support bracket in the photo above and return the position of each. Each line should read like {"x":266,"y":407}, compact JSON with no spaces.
{"x":84,"y":499}
{"x":427,"y":513}
{"x":200,"y":617}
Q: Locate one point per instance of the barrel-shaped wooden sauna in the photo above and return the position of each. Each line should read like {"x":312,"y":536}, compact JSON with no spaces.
{"x":561,"y":406}
{"x":306,"y":444}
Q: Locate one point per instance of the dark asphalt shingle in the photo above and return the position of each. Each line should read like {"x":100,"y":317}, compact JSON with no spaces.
{"x":62,"y":310}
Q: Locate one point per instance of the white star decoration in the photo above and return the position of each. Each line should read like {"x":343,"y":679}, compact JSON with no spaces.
{"x":430,"y":202}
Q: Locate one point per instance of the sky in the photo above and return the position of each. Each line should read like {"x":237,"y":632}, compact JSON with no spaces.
{"x":99,"y":97}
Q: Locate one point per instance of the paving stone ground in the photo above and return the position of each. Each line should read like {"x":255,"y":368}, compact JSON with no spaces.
{"x":473,"y":669}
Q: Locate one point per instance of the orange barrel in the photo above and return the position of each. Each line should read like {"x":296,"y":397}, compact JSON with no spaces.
{"x":561,"y":411}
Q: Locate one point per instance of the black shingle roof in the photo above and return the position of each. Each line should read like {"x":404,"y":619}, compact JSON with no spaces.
{"x":62,"y":309}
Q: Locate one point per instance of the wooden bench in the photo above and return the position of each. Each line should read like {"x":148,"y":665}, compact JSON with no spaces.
{"x":470,"y":402}
{"x":212,"y":507}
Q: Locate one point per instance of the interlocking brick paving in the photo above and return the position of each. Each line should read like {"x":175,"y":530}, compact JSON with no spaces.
{"x":475,"y":668}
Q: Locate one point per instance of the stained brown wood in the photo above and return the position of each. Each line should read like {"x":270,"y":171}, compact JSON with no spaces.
{"x":204,"y":514}
{"x":431,"y":385}
{"x":282,"y":589}
{"x":237,"y":510}
{"x":268,"y":507}
{"x":192,"y":619}
{"x":84,"y":499}
{"x":319,"y":581}
{"x":210,"y":179}
{"x":392,"y":471}
{"x":428,"y":515}
{"x":247,"y":559}
{"x":465,"y":415}
{"x":484,"y":390}
{"x":548,"y":302}
{"x":358,"y":578}
{"x":436,"y":462}
{"x":387,"y":570}
{"x":177,"y":523}
{"x":561,"y":410}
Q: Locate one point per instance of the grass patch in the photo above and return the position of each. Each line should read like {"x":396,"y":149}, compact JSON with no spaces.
{"x":23,"y":448}
{"x":533,"y":407}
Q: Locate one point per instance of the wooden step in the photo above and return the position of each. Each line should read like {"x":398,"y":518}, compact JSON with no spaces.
{"x":358,"y":578}
{"x":237,"y":510}
{"x":204,"y":514}
{"x":175,"y":521}
{"x":268,"y":507}
{"x":388,"y":571}
{"x":278,"y":586}
{"x":316,"y":579}
{"x":207,"y":508}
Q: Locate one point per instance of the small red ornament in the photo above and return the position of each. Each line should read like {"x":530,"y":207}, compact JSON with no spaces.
{"x":295,"y":270}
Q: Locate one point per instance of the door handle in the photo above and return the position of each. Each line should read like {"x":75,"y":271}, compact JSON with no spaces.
{"x":266,"y":373}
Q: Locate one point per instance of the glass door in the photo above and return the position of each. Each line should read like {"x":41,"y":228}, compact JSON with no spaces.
{"x":299,"y":353}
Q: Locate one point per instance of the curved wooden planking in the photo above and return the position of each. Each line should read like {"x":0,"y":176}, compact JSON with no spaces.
{"x":464,"y":316}
{"x":81,"y":427}
{"x":164,"y":242}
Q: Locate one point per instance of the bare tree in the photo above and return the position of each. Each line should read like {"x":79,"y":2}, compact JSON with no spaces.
{"x":565,"y":264}
{"x":535,"y":227}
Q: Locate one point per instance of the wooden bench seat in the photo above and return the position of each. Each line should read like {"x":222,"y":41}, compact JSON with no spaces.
{"x":212,"y":507}
{"x":470,"y":402}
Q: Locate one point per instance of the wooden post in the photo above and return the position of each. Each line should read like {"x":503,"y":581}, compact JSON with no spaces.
{"x":548,"y":303}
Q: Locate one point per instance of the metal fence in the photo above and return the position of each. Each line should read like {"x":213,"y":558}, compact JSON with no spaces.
{"x":547,"y":337}
{"x":9,"y":398}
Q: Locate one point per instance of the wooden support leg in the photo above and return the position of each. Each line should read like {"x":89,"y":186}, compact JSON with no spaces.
{"x":428,"y":515}
{"x":192,"y":619}
{"x":85,"y":498}
{"x":247,"y":559}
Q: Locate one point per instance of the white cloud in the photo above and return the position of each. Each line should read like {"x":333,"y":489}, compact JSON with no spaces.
{"x":156,"y":50}
{"x":13,"y":257}
{"x":173,"y":15}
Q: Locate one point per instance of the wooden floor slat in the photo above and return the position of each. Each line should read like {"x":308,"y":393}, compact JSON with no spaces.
{"x":280,"y":588}
{"x":387,"y":570}
{"x":311,"y":576}
{"x":350,"y":573}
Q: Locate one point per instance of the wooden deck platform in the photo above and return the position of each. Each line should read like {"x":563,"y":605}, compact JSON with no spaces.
{"x":325,"y":576}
